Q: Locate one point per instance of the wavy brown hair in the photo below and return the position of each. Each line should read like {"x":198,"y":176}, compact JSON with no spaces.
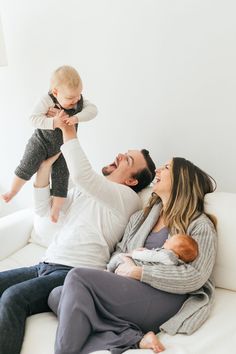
{"x":186,"y":202}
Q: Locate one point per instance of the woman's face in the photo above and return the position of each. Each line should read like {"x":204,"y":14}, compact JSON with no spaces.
{"x":162,"y":186}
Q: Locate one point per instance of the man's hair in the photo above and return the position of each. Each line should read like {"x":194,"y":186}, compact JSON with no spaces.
{"x":65,"y":76}
{"x":146,"y":175}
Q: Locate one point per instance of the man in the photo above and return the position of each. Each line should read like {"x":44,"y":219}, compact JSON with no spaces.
{"x":92,"y":221}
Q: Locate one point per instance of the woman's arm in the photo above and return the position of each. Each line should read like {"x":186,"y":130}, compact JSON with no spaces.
{"x":189,"y":277}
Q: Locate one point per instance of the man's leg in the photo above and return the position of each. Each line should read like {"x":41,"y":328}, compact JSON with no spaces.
{"x":21,"y":300}
{"x":15,"y":276}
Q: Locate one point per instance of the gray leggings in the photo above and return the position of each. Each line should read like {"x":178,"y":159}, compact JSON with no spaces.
{"x":99,"y":310}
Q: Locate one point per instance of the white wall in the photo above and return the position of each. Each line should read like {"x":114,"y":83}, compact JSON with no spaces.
{"x":162,"y":73}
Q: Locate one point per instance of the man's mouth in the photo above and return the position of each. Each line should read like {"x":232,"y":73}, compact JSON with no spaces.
{"x":114,"y":164}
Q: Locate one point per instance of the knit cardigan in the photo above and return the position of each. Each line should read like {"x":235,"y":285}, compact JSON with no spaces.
{"x":194,"y":279}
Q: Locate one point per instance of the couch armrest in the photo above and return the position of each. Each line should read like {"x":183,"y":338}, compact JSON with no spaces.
{"x":15,"y":231}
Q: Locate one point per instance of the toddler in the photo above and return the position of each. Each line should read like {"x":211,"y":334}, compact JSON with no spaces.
{"x":177,"y":249}
{"x":64,"y":102}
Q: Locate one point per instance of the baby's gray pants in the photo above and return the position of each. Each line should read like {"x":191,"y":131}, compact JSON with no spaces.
{"x":42,"y":145}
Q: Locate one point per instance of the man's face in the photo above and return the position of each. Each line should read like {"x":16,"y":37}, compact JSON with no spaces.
{"x":125,"y":166}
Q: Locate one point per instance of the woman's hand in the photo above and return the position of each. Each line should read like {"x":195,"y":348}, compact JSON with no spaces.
{"x":43,"y":173}
{"x":129,"y":269}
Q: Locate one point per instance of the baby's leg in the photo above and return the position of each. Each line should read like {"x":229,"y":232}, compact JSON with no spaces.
{"x":16,"y":186}
{"x":59,"y":186}
{"x":33,"y":156}
{"x":150,"y":341}
{"x":57,"y":203}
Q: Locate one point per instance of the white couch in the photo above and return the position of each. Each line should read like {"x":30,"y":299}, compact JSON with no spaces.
{"x":22,"y":247}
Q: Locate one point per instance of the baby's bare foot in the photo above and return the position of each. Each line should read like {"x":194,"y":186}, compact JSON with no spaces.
{"x":150,"y":341}
{"x":8,"y":196}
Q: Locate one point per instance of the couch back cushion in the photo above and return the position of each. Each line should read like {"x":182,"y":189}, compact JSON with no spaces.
{"x":223,"y":206}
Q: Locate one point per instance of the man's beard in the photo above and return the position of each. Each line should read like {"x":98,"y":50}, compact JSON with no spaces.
{"x":105,"y":171}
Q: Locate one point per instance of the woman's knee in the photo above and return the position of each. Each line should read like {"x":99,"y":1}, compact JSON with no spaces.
{"x":78,"y":274}
{"x":54,"y":299}
{"x":82,"y":277}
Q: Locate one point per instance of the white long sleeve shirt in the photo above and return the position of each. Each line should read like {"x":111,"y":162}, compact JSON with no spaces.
{"x":40,"y":120}
{"x":93,"y":218}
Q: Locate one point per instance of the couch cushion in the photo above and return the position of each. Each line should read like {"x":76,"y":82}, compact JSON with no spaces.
{"x":223,"y":206}
{"x":29,"y":255}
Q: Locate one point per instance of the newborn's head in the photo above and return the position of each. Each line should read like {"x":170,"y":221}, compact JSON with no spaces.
{"x":184,"y":246}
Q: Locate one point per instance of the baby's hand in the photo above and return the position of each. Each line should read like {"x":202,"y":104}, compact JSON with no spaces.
{"x":71,"y":120}
{"x":58,"y":120}
{"x":52,"y":112}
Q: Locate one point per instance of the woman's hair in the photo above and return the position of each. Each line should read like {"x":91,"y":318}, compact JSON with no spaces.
{"x":186,"y":202}
{"x":65,"y":76}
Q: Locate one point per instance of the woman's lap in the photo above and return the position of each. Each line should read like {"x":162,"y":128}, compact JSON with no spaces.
{"x":129,"y":299}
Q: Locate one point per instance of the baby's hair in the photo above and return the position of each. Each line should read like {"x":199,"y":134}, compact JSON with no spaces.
{"x":187,"y":248}
{"x":65,"y":76}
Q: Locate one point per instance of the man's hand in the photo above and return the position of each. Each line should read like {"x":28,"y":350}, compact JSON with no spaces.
{"x":68,"y":132}
{"x":71,"y":120}
{"x":47,"y":164}
{"x":129,"y":269}
{"x":59,"y":120}
{"x":43,"y":173}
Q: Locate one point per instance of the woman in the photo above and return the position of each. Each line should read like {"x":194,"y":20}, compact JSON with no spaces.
{"x":101,"y":310}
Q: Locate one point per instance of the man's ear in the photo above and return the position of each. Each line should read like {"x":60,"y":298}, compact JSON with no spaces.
{"x":131,"y":182}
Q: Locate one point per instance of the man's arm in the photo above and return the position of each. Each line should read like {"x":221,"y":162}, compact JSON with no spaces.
{"x":42,"y":196}
{"x":113,"y":194}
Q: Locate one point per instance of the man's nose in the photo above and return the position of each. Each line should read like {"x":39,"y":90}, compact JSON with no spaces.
{"x":120,"y":156}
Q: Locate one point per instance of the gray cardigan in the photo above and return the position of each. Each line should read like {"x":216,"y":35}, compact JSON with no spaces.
{"x":193,"y":278}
